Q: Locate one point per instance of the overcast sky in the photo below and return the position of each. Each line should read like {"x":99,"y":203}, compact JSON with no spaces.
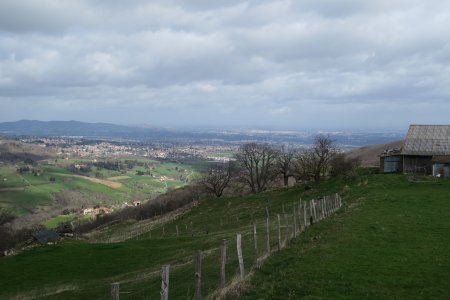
{"x":267,"y":64}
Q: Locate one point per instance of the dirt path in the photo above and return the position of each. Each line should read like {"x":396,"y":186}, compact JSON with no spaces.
{"x":109,"y":183}
{"x":118,"y":177}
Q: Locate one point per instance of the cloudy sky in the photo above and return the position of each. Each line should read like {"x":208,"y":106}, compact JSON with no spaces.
{"x":267,"y":64}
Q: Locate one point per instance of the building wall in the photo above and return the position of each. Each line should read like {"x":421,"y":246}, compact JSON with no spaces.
{"x":417,"y":164}
{"x":391,"y":164}
{"x":414,"y":164}
{"x":441,"y":169}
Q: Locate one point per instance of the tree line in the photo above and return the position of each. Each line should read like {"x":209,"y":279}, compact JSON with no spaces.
{"x":259,"y":167}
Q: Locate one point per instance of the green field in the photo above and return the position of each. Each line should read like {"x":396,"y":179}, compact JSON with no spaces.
{"x":57,"y":188}
{"x":389,"y":241}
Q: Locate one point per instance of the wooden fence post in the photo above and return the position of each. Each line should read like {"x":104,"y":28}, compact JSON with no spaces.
{"x":279,"y":232}
{"x":165,"y":282}
{"x":295,"y":222}
{"x":287,"y":229}
{"x":267,"y":236}
{"x":322,"y":208}
{"x":314,"y":209}
{"x":223,"y":262}
{"x":198,"y":275}
{"x":305,"y":219}
{"x":240,"y":256}
{"x":115,"y":290}
{"x":299,"y":212}
{"x":330,"y":204}
{"x":255,"y":242}
{"x":317,"y":205}
{"x":267,"y":211}
{"x":299,"y":217}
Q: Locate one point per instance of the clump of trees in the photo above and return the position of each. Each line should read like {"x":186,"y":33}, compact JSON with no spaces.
{"x":162,"y":204}
{"x":257,"y":163}
{"x":9,"y":237}
{"x":340,"y":165}
{"x":314,"y":163}
{"x":284,"y":163}
{"x":259,"y":167}
{"x":217,"y":178}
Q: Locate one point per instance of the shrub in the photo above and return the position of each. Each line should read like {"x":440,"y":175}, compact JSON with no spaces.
{"x":343,"y":166}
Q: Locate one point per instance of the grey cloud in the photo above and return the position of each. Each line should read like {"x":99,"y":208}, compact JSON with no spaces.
{"x":223,"y":61}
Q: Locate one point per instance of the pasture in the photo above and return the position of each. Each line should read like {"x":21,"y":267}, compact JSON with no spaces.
{"x":56,"y":188}
{"x":390,"y":240}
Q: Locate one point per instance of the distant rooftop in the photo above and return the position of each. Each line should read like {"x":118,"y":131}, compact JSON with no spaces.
{"x":427,"y":140}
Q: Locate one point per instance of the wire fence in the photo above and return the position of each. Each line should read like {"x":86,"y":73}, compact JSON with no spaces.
{"x":209,"y":272}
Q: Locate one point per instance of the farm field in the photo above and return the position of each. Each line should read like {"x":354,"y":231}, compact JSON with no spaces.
{"x":56,"y":188}
{"x":389,"y":240}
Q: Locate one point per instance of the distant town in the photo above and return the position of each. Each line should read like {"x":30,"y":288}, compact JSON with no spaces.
{"x":85,"y":148}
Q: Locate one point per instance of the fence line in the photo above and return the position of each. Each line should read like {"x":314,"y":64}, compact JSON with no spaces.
{"x":303,"y":217}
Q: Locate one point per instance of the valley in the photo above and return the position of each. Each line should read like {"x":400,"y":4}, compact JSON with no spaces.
{"x":62,"y":183}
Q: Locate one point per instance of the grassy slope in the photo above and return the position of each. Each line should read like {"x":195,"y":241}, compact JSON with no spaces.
{"x":39,"y":192}
{"x":390,"y":241}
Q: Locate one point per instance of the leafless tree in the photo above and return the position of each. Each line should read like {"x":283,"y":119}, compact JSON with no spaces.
{"x":218,"y":177}
{"x":258,"y":165}
{"x":324,"y":150}
{"x":285,"y":161}
{"x":303,"y":165}
{"x":314,"y":163}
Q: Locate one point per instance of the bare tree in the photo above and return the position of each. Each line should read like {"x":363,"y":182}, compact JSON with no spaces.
{"x":314,"y":163}
{"x":216,"y":180}
{"x":323,"y":151}
{"x":258,"y":163}
{"x":285,"y":161}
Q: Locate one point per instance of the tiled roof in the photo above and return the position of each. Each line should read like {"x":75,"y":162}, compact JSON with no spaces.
{"x":427,"y":140}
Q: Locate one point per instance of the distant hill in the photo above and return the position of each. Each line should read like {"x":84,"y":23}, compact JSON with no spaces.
{"x":110,"y":131}
{"x":369,"y":154}
{"x":76,"y":128}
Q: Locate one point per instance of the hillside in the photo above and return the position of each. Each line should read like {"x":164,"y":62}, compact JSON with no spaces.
{"x":389,"y":240}
{"x":40,"y":187}
{"x":15,"y":151}
{"x":369,"y":155}
{"x":76,"y":128}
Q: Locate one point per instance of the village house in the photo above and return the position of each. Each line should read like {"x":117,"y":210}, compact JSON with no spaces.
{"x":96,"y":211}
{"x":426,"y":150}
